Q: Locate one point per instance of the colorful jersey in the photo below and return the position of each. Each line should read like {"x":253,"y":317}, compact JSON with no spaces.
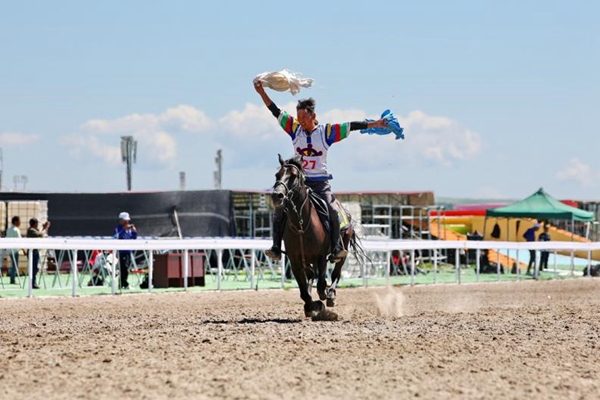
{"x":313,"y":146}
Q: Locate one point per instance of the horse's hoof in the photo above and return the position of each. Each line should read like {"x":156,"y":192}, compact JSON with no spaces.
{"x":308,"y":314}
{"x":322,"y":295}
{"x":330,"y":302}
{"x":318,"y":306}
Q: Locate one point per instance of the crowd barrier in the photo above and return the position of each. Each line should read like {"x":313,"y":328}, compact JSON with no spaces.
{"x":379,"y":250}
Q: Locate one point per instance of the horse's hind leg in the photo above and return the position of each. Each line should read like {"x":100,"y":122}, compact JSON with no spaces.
{"x":335,"y":280}
{"x":322,"y":278}
{"x":337,"y":271}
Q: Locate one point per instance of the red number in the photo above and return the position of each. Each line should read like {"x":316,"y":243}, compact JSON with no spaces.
{"x":306,"y":163}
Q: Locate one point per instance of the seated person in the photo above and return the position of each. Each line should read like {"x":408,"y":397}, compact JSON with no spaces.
{"x":486,"y":266}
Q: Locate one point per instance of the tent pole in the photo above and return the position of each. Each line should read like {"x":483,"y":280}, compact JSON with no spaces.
{"x":572,"y":228}
{"x":587,"y":230}
{"x":508,"y":240}
{"x":484,"y":225}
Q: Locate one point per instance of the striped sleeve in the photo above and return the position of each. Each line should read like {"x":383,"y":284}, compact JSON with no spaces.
{"x":336,"y":132}
{"x":288,"y":123}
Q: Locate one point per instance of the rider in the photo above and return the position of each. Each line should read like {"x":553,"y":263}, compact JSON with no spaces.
{"x":312,"y":141}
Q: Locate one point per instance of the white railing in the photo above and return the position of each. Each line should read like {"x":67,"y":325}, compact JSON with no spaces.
{"x":219,"y":245}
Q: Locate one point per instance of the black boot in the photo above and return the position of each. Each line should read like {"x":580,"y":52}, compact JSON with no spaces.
{"x":278,"y":226}
{"x":337,"y":250}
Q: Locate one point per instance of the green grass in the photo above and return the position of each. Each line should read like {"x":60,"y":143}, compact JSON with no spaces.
{"x":230,"y":282}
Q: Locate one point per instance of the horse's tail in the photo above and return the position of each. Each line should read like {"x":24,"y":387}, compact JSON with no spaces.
{"x":357,"y":249}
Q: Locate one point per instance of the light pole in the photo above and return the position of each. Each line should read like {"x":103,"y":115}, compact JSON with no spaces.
{"x":218,"y":174}
{"x":20,"y":180}
{"x":182,"y":180}
{"x":128,"y":155}
{"x":1,"y":167}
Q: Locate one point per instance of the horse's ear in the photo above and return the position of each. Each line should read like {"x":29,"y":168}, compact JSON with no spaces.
{"x":281,"y":160}
{"x":301,"y":159}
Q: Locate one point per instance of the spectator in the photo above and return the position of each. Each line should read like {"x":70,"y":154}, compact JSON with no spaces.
{"x":486,"y":266}
{"x":544,"y":237}
{"x":529,"y":236}
{"x":34,"y":232}
{"x":14,"y":232}
{"x":125,"y":231}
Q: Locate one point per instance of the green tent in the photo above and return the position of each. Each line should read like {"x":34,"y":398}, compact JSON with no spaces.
{"x":541,"y":205}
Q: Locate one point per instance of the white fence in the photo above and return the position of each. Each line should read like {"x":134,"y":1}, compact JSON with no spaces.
{"x":219,"y":245}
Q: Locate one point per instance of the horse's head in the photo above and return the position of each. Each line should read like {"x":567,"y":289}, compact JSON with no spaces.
{"x":288,"y":180}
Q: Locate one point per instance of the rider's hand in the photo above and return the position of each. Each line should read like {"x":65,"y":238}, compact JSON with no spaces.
{"x":381,"y":123}
{"x":258,"y":86}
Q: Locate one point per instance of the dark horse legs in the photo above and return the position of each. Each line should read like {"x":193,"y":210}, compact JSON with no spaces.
{"x":337,"y":270}
{"x":322,"y":278}
{"x":305,"y":284}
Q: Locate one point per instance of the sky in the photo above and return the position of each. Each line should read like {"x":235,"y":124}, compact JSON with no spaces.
{"x":497,"y":98}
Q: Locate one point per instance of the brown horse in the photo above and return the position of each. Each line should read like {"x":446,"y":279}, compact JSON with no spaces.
{"x":306,"y":241}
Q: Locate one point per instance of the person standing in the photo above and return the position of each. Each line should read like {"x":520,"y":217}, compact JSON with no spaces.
{"x":14,"y":232}
{"x":34,"y":232}
{"x":529,"y":236}
{"x":544,"y":237}
{"x":125,"y":231}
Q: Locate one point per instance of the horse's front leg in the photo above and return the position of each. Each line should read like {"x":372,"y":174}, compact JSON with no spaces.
{"x":305,"y":286}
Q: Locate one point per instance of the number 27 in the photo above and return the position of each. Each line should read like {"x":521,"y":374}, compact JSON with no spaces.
{"x":306,"y":163}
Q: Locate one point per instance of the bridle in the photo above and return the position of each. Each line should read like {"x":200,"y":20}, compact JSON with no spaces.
{"x":289,"y":190}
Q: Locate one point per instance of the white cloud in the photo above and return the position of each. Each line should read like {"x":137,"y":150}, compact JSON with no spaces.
{"x":17,"y":139}
{"x":439,"y":139}
{"x":251,"y":136}
{"x":579,"y":172}
{"x":86,"y":146}
{"x":155,"y":133}
{"x":252,"y":123}
{"x":429,"y":140}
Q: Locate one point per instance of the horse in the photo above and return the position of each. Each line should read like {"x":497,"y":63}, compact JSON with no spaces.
{"x":307,"y":242}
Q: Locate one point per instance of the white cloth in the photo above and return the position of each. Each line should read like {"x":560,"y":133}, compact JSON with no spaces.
{"x":283,"y":81}
{"x":13,"y":232}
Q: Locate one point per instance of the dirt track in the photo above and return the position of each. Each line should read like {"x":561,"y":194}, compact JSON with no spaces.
{"x":513,"y":340}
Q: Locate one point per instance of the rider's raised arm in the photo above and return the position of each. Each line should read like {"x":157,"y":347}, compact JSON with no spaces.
{"x":338,"y":132}
{"x":286,"y":121}
{"x":258,"y":86}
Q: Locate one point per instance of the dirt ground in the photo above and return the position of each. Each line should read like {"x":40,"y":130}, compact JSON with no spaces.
{"x":506,"y":340}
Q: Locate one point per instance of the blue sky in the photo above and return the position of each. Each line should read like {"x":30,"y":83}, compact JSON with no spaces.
{"x":497,"y":98}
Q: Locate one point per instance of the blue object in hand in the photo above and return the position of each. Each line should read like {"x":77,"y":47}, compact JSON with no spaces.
{"x":392,"y":126}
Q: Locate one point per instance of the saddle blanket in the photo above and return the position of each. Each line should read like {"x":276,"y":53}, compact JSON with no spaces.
{"x":343,"y":215}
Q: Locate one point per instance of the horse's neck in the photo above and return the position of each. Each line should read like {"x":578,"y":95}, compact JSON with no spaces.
{"x":303,"y":206}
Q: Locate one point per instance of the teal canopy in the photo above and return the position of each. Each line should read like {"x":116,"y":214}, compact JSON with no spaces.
{"x":541,"y":205}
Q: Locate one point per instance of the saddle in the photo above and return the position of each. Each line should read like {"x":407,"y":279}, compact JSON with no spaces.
{"x":322,"y":210}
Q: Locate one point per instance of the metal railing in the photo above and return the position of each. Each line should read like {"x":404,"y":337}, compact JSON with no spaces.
{"x":255,"y":265}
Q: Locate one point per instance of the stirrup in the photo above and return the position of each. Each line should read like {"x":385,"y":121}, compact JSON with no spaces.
{"x":274,"y":253}
{"x":336,"y":256}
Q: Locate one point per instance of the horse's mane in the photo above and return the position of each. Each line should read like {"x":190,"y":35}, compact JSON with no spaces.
{"x":295,"y":161}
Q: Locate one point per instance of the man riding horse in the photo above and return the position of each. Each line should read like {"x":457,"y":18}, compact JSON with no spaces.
{"x":312,"y":141}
